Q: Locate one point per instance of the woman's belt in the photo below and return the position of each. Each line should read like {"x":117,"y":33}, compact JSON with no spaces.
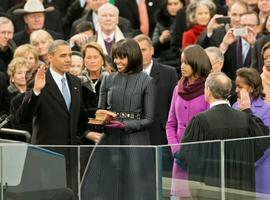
{"x":128,"y":115}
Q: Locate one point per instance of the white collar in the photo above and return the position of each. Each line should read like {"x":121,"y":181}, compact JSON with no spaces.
{"x":95,"y":20}
{"x":82,"y":3}
{"x":56,"y":75}
{"x":219,"y":102}
{"x":244,"y":42}
{"x":148,"y":68}
{"x":58,"y":80}
{"x":111,"y":36}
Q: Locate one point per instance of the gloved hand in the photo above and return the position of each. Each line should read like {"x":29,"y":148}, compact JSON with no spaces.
{"x":115,"y":124}
{"x":179,"y":162}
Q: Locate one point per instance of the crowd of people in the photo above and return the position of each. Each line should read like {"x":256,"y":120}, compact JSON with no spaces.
{"x":161,"y":71}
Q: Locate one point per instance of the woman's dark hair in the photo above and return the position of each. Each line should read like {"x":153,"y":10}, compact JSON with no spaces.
{"x":253,"y":79}
{"x":264,"y":29}
{"x":162,"y":14}
{"x":265,"y":47}
{"x":130,"y":49}
{"x":84,"y":26}
{"x":196,"y":57}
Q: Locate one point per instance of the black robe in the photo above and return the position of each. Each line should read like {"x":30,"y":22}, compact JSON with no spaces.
{"x":203,"y":161}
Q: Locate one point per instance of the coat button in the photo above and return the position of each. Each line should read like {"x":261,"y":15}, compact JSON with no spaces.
{"x":185,"y":107}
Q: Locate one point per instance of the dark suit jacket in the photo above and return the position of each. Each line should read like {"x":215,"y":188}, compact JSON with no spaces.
{"x":215,"y":40}
{"x":59,"y":5}
{"x":129,"y":10}
{"x":257,"y":59}
{"x":53,"y":124}
{"x":6,"y":56}
{"x":74,"y":12}
{"x":23,"y":37}
{"x":165,"y":78}
{"x":222,"y":122}
{"x":233,"y":59}
{"x":123,"y":24}
{"x":4,"y":95}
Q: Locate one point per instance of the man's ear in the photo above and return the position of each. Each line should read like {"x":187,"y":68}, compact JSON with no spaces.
{"x":152,"y":51}
{"x":25,"y":19}
{"x":207,"y":93}
{"x":50,"y":56}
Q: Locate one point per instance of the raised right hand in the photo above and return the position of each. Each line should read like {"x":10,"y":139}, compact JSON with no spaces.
{"x":212,"y":25}
{"x":40,"y":80}
{"x":244,"y":100}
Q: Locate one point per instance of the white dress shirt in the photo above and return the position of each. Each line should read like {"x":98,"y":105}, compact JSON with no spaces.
{"x":108,"y":38}
{"x":58,"y":79}
{"x":219,"y":102}
{"x":95,"y":20}
{"x":245,"y":49}
{"x":148,"y":69}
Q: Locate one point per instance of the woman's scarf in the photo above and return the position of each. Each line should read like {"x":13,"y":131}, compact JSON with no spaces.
{"x":191,"y":91}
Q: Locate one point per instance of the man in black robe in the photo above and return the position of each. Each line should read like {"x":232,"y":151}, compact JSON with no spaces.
{"x":221,"y":122}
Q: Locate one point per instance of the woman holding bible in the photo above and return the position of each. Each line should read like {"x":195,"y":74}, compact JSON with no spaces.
{"x":127,"y":97}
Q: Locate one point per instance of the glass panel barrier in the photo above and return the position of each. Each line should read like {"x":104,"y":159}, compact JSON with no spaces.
{"x":118,"y":172}
{"x":36,"y":173}
{"x":194,"y":173}
{"x":247,"y":168}
{"x":229,"y":169}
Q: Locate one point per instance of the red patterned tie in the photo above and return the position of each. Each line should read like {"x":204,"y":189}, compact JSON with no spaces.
{"x":144,"y":20}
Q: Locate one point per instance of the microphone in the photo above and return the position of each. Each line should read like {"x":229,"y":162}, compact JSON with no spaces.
{"x":3,"y":117}
{"x":6,"y":121}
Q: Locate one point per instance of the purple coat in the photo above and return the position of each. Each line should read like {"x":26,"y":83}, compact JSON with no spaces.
{"x":181,"y":112}
{"x":262,"y":167}
{"x":260,"y":109}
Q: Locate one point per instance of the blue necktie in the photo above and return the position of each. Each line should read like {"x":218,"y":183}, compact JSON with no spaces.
{"x":65,"y":92}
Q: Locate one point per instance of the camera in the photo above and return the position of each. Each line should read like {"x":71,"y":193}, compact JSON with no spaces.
{"x":240,"y":32}
{"x":223,"y":20}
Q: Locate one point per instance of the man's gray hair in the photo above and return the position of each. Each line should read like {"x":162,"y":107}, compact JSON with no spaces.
{"x":142,"y":37}
{"x":106,"y":7}
{"x":5,"y":20}
{"x":55,"y":44}
{"x":219,"y":84}
{"x":219,"y":55}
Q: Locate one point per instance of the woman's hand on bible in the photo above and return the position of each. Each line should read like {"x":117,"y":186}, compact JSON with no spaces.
{"x":115,"y":124}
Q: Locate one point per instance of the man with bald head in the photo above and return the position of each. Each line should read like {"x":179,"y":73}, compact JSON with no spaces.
{"x":222,"y":122}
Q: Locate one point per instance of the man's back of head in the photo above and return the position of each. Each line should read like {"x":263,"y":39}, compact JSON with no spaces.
{"x":217,"y":87}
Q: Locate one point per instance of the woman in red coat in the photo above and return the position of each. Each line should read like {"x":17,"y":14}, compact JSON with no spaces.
{"x":198,"y":15}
